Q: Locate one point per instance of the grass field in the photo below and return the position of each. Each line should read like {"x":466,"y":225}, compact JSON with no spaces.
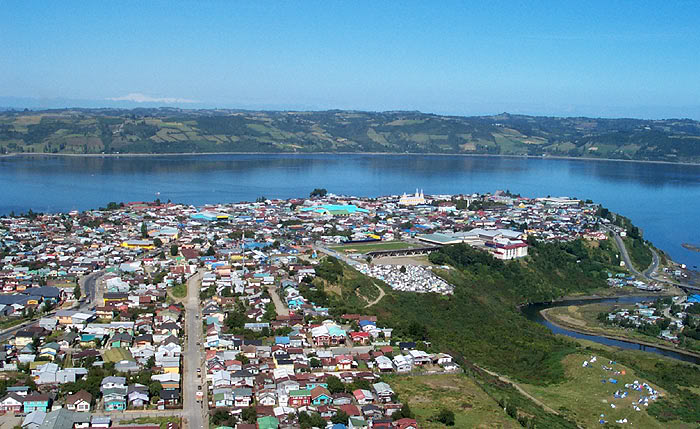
{"x":372,"y":246}
{"x":180,"y":291}
{"x":116,"y":355}
{"x":473,"y":408}
{"x":162,"y":421}
{"x":583,"y":397}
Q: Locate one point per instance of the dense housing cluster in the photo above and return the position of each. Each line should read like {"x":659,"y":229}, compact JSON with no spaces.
{"x":92,"y":303}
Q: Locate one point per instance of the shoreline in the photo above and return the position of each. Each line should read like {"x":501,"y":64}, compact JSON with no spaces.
{"x":572,"y":298}
{"x":580,"y":330}
{"x":480,"y":155}
{"x":594,"y":297}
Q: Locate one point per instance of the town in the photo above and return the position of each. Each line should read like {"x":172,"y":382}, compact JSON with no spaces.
{"x":156,"y":310}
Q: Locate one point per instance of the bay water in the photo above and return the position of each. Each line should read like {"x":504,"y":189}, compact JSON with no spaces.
{"x":662,"y":199}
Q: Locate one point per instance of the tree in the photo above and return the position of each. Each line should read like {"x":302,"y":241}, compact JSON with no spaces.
{"x":174,"y":250}
{"x":154,"y":388}
{"x":404,"y":412}
{"x":445,"y":417}
{"x":315,"y":363}
{"x":144,"y":230}
{"x":77,"y":292}
{"x":318,"y":192}
{"x":334,"y":384}
{"x":340,"y":417}
{"x":157,"y":242}
{"x":249,"y":415}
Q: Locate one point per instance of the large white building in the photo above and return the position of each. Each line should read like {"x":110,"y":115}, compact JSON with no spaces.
{"x":501,"y":243}
{"x":412,"y":200}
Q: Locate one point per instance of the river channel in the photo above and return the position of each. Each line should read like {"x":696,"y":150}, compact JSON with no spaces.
{"x":533,"y":312}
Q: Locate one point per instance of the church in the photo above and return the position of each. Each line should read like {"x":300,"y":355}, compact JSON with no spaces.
{"x":412,"y":200}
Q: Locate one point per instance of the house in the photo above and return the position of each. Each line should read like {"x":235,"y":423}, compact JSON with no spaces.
{"x":384,"y":364}
{"x":137,"y":395}
{"x":49,"y":351}
{"x":406,"y":423}
{"x":36,"y":401}
{"x":357,"y":423}
{"x":170,"y":396}
{"x":113,"y":382}
{"x":168,"y":380}
{"x":299,"y":398}
{"x":383,"y":391}
{"x":320,"y":396}
{"x":120,"y":340}
{"x":266,"y":398}
{"x":12,"y":402}
{"x":34,"y":420}
{"x":114,"y":399}
{"x":242,"y":397}
{"x":402,"y":364}
{"x":268,"y":422}
{"x":223,"y":397}
{"x":419,"y":357}
{"x":363,"y":397}
{"x":79,"y":401}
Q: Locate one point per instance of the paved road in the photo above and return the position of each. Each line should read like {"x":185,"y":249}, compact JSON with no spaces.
{"x":626,"y":256}
{"x":650,"y":272}
{"x":336,"y":255}
{"x":193,"y":411}
{"x":88,"y":285}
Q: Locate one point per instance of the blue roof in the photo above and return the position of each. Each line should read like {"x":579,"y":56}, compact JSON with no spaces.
{"x":694,"y":298}
{"x":350,"y":208}
{"x":281,"y":340}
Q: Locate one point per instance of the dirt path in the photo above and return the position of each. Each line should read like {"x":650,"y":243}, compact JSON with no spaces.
{"x":379,"y":298}
{"x":522,"y":391}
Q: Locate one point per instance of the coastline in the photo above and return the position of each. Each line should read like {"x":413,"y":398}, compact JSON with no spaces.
{"x":480,"y":155}
{"x":585,"y":331}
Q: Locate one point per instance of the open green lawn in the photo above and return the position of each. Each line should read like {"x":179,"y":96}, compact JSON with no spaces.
{"x":116,"y":355}
{"x":372,"y":246}
{"x":473,"y":408}
{"x":583,"y":397}
{"x":180,"y":291}
{"x":162,"y":421}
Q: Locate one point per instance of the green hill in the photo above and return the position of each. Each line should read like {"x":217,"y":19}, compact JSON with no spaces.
{"x":167,"y":130}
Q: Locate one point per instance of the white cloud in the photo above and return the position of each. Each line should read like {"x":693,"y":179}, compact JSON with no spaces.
{"x":137,"y":97}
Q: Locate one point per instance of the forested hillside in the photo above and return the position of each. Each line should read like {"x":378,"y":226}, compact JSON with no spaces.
{"x":167,"y":130}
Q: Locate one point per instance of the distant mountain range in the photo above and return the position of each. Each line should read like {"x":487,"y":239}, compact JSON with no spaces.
{"x":173,"y":130}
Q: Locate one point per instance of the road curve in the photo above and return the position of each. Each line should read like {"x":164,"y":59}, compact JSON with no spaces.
{"x":650,"y":272}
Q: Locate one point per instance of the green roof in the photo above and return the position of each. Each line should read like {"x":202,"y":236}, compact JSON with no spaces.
{"x":268,"y":422}
{"x":301,"y":392}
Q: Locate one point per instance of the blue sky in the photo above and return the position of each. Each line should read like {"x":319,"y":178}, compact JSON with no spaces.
{"x":636,"y":58}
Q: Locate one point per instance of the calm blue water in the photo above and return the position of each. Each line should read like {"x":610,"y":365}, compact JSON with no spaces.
{"x":664,"y":200}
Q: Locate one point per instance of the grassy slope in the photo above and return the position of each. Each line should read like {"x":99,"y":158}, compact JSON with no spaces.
{"x":458,"y":393}
{"x":170,"y":131}
{"x":583,"y":397}
{"x":481,"y":324}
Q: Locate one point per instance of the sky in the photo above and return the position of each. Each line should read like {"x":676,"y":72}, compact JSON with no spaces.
{"x":560,"y":58}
